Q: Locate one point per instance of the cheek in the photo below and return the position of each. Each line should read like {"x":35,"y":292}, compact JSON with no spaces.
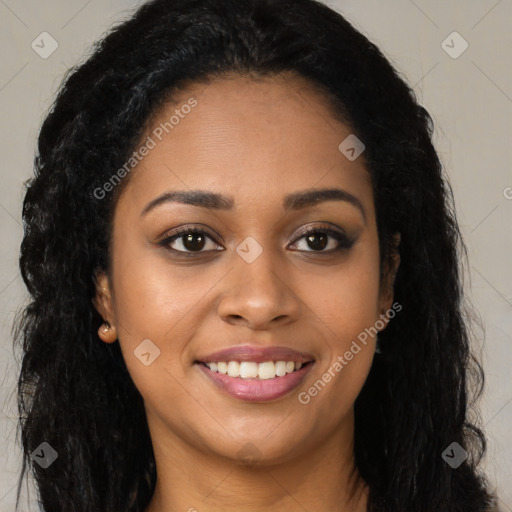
{"x":347,"y":299}
{"x":155,"y":302}
{"x":350,"y":310}
{"x":152,"y":295}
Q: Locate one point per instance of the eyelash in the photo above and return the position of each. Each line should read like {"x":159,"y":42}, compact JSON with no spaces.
{"x":343,"y":241}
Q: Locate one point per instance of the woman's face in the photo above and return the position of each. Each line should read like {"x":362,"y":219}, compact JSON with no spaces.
{"x":253,"y":280}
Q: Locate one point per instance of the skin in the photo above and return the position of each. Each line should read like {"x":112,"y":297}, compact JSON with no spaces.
{"x":254,"y":142}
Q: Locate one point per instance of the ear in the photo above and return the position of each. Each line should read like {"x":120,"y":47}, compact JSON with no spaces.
{"x":388,"y":279}
{"x":104,"y":306}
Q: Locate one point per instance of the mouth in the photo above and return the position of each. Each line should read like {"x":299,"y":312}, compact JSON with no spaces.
{"x":250,"y":381}
{"x":252,"y":370}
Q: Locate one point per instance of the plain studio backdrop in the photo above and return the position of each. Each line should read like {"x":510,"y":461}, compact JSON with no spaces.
{"x":456,"y":55}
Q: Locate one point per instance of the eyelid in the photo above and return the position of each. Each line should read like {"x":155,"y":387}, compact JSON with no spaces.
{"x":327,"y":227}
{"x":176,"y":233}
{"x":344,"y":241}
{"x":187,"y":228}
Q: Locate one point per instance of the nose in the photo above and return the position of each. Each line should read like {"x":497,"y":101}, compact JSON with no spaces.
{"x":259,"y":295}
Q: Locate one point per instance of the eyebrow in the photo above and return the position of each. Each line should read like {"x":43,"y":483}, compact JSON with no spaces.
{"x":291,"y":202}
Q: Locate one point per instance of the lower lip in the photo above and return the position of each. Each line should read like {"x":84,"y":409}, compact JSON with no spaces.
{"x":257,"y":390}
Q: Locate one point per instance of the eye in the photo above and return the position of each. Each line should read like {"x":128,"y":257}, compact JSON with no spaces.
{"x":189,"y":240}
{"x":317,"y":238}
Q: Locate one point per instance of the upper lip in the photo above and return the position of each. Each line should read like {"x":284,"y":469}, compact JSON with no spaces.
{"x":257,"y":354}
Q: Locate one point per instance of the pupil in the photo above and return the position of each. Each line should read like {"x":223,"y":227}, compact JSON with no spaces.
{"x":320,"y":245}
{"x":189,"y":245}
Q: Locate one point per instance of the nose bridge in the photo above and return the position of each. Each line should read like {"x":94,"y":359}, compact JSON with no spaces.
{"x":258,"y":270}
{"x":257,"y":264}
{"x":256,"y":291}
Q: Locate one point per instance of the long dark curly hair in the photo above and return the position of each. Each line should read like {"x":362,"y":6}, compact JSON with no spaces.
{"x":75,"y":393}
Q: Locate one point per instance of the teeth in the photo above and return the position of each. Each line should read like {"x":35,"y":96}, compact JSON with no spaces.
{"x":267,"y":370}
{"x":251,"y":370}
{"x":233,"y":369}
{"x":248,"y":370}
{"x":281,"y":368}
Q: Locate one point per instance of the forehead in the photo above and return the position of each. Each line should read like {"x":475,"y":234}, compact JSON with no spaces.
{"x":252,"y":140}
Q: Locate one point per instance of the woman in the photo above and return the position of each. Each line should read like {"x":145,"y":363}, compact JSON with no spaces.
{"x":244,"y":268}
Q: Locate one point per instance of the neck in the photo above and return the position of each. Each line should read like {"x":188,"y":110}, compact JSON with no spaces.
{"x":190,"y":480}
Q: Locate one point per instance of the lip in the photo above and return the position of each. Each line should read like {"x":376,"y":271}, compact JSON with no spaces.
{"x":256,"y":390}
{"x":257,"y":354}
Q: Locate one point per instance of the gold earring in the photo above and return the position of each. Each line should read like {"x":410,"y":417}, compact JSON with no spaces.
{"x":107,"y":332}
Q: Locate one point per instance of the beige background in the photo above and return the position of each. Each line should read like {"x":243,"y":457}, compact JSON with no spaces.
{"x":469,"y":97}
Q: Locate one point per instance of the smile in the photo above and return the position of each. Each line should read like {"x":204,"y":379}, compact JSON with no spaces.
{"x":253,"y":370}
{"x":256,"y":382}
